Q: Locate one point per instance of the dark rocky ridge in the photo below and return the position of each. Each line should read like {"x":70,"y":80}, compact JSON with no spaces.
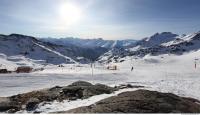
{"x":142,"y":101}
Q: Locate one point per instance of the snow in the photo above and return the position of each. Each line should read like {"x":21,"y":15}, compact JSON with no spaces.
{"x":12,"y":84}
{"x":158,"y":39}
{"x":169,"y":73}
{"x":180,"y":39}
{"x":135,"y":48}
{"x":164,"y":73}
{"x":57,"y":53}
{"x":32,"y":50}
{"x":105,"y":56}
{"x":79,"y":69}
{"x":189,"y":36}
{"x":114,"y":44}
{"x":12,"y":62}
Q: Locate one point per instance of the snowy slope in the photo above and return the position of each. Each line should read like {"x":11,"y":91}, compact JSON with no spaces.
{"x":157,"y":39}
{"x":165,"y":73}
{"x":30,"y":48}
{"x":12,"y":62}
{"x":158,"y":44}
{"x":168,"y":73}
{"x":6,"y":64}
{"x":57,"y":53}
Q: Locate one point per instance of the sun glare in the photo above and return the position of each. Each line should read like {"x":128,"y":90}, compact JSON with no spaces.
{"x":69,"y":13}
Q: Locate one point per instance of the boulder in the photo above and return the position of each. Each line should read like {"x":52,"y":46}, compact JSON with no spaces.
{"x":142,"y":101}
{"x":81,"y":83}
{"x":73,"y":93}
{"x":98,"y":89}
{"x":7,"y":105}
{"x":82,"y":90}
{"x":32,"y":104}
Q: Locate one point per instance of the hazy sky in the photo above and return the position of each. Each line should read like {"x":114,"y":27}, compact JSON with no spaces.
{"x":108,"y":19}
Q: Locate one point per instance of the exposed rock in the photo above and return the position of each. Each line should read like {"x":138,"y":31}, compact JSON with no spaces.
{"x":29,"y":101}
{"x":124,"y":86}
{"x":6,"y":104}
{"x":142,"y":101}
{"x":82,"y":90}
{"x":73,"y":93}
{"x":97,"y":90}
{"x":81,"y":83}
{"x":32,"y":104}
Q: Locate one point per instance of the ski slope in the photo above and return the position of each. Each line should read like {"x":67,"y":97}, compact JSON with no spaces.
{"x":167,"y":73}
{"x":57,"y":53}
{"x":164,"y":73}
{"x":12,"y":62}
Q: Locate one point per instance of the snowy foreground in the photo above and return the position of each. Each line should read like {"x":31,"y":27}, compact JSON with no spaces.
{"x":165,"y":73}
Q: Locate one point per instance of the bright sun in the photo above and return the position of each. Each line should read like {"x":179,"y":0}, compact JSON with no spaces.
{"x":69,"y":13}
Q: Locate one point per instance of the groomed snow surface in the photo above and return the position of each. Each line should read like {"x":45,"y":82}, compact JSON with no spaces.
{"x":164,"y":73}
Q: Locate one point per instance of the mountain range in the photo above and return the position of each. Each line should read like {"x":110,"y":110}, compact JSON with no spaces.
{"x":90,"y":43}
{"x":157,"y":44}
{"x":22,"y":49}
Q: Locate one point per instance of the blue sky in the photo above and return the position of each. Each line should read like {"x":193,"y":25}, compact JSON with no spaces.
{"x":108,"y":19}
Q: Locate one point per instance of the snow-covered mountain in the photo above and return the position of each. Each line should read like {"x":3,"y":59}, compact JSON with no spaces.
{"x":157,"y":39}
{"x":16,"y":48}
{"x":27,"y":50}
{"x":90,"y":43}
{"x":72,"y":50}
{"x":159,"y":43}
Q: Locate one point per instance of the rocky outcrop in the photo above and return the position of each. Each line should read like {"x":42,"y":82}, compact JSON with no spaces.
{"x":82,"y":91}
{"x":29,"y":101}
{"x":6,"y":104}
{"x":142,"y":101}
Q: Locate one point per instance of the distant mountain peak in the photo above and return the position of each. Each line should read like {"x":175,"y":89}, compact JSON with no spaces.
{"x":163,"y":35}
{"x":20,"y":36}
{"x":157,"y":39}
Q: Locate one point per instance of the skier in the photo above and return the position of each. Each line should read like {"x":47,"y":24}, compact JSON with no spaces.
{"x":132,"y":68}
